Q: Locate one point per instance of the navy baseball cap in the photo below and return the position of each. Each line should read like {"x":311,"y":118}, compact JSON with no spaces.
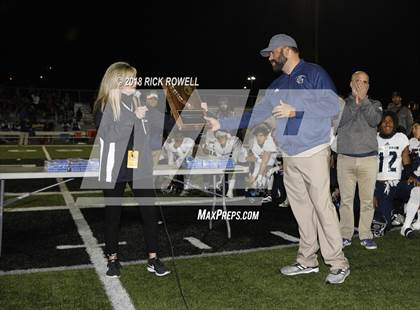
{"x":279,"y":40}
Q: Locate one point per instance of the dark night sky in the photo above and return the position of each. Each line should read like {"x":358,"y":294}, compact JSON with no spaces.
{"x":217,"y":41}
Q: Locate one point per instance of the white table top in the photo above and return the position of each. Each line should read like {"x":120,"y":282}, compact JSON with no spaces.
{"x":19,"y":172}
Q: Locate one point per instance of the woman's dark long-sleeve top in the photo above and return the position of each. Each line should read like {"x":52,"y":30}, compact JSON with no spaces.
{"x":116,"y":138}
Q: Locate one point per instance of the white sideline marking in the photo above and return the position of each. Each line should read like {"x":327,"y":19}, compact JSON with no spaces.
{"x":21,"y":151}
{"x":116,"y":293}
{"x":28,"y":209}
{"x":197,"y":243}
{"x":49,"y":269}
{"x":224,"y":253}
{"x":92,"y":202}
{"x":285,"y":236}
{"x":25,"y":165}
{"x":53,"y":192}
{"x":68,"y":150}
{"x":80,"y":203}
{"x":81,"y":246}
{"x":144,"y":261}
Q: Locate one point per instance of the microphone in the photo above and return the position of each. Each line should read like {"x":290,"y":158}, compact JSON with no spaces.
{"x":137,"y":94}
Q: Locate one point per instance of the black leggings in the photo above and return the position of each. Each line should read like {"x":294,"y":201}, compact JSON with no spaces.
{"x":113,"y":216}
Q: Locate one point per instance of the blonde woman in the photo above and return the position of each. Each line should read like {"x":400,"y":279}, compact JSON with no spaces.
{"x":125,"y":157}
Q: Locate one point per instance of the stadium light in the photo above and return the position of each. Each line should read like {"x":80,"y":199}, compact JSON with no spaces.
{"x":41,"y":77}
{"x":251,"y":79}
{"x":10,"y":78}
{"x":244,"y":87}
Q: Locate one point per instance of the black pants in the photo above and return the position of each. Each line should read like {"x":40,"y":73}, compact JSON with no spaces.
{"x":113,"y":216}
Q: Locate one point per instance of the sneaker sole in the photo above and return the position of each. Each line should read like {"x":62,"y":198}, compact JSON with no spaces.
{"x":340,"y":282}
{"x":112,"y":276}
{"x":369,"y":247}
{"x":313,"y":270}
{"x":152,"y":270}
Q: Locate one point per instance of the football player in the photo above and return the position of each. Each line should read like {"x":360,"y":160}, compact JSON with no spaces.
{"x":411,"y":209}
{"x":226,"y":146}
{"x":263,"y":154}
{"x":394,"y":171}
{"x":176,"y":149}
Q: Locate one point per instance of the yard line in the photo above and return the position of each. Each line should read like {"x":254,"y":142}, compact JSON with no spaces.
{"x":68,"y":150}
{"x":224,"y":253}
{"x":86,"y":192}
{"x":22,"y":151}
{"x":197,"y":243}
{"x":81,"y":246}
{"x":29,"y":209}
{"x":53,"y":193}
{"x":50,"y":146}
{"x":48,"y":269}
{"x":83,"y":202}
{"x":25,"y":165}
{"x":117,"y":294}
{"x":285,"y":236}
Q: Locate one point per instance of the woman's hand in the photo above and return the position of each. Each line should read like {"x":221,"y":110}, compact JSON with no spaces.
{"x":141,"y":112}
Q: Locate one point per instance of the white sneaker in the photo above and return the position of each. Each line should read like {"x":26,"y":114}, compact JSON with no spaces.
{"x":229,"y":194}
{"x":267,"y":199}
{"x":397,"y":219}
{"x":409,"y":233}
{"x":296,"y":269}
{"x":337,"y":276}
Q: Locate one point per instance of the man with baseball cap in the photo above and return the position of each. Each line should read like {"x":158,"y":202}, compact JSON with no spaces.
{"x":304,"y":102}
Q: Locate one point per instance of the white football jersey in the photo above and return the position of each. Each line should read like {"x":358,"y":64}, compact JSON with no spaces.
{"x":390,"y":156}
{"x":231,"y":144}
{"x":268,"y":146}
{"x":178,"y":153}
{"x":414,"y":149}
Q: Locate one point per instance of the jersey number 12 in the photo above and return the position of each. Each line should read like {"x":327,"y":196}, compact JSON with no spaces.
{"x":394,"y":156}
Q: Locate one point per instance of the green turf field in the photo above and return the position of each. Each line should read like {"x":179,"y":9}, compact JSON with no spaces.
{"x":14,"y":155}
{"x":73,"y":289}
{"x":37,"y":201}
{"x":13,"y":152}
{"x":69,"y":151}
{"x":386,"y":278}
{"x":383,"y":279}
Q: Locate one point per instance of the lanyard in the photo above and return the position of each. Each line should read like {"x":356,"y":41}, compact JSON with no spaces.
{"x":142,"y":120}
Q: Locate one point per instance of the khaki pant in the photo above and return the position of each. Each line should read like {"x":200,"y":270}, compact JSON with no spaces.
{"x":307,"y":182}
{"x":352,"y":171}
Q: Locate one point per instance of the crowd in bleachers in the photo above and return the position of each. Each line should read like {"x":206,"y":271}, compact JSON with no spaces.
{"x":27,"y":109}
